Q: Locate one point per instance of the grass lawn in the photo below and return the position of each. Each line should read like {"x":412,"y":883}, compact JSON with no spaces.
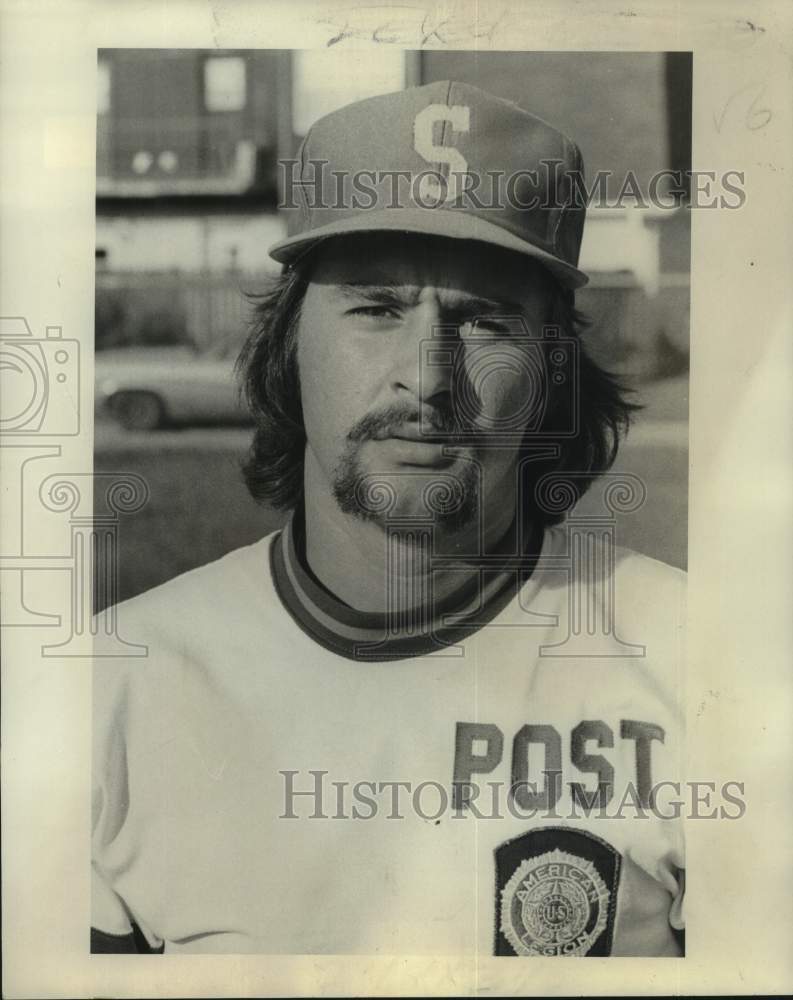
{"x":197,"y":511}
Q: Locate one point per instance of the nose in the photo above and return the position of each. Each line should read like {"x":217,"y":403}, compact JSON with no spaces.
{"x":419,"y":370}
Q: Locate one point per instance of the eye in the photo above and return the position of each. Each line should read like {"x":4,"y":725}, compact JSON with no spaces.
{"x":374,"y":312}
{"x":491,"y":326}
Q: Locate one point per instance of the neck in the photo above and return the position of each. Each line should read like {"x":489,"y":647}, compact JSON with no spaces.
{"x":351,"y":556}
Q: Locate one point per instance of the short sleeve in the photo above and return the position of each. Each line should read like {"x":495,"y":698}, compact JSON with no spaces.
{"x":114,"y":927}
{"x":108,"y":913}
{"x":677,"y":916}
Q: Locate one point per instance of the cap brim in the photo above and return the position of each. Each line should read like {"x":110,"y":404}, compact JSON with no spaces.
{"x":431,"y":222}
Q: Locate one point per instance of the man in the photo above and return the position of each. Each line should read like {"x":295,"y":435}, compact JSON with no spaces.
{"x":424,"y":718}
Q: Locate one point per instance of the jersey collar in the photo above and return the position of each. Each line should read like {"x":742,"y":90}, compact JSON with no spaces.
{"x":367,"y":636}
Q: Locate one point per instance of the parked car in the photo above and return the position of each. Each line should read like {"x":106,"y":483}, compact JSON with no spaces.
{"x":144,"y":388}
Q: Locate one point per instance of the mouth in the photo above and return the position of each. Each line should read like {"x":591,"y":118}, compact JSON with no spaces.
{"x":414,"y":431}
{"x":437,"y":438}
{"x":409,"y":447}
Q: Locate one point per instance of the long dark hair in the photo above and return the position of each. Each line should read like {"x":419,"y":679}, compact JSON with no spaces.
{"x":269,"y":380}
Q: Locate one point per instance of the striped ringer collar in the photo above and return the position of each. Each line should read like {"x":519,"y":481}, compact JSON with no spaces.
{"x":368,"y":636}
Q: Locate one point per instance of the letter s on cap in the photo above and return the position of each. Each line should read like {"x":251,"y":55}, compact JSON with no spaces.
{"x":459,"y":115}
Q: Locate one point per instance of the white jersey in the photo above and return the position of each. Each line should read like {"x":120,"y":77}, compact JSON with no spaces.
{"x":277,"y":776}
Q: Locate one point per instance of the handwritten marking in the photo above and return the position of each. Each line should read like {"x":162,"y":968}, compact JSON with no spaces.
{"x":754,"y":117}
{"x":406,"y":25}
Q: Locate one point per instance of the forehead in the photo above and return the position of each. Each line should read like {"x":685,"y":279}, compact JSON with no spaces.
{"x":456,"y":266}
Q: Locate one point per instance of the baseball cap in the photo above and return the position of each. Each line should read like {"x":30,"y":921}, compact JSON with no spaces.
{"x":444,"y":159}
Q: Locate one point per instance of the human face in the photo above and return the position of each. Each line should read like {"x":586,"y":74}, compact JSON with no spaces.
{"x":389,"y":432}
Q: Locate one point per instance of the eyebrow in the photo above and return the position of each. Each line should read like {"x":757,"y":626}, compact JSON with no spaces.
{"x":377,"y":292}
{"x":468,"y":305}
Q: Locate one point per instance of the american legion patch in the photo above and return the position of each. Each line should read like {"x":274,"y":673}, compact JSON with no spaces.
{"x":556,"y":894}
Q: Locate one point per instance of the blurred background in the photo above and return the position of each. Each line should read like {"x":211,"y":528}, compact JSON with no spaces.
{"x":187,"y":205}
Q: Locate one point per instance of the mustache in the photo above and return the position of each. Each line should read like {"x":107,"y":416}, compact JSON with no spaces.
{"x":390,"y":420}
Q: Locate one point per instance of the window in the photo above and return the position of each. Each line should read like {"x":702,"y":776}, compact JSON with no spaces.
{"x":224,"y":83}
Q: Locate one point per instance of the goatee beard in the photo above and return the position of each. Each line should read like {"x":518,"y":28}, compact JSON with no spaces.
{"x":448,"y":500}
